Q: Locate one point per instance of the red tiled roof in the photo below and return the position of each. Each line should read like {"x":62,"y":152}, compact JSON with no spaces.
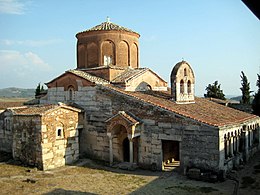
{"x":202,"y":110}
{"x":32,"y":110}
{"x":129,"y":117}
{"x":108,"y":26}
{"x":129,"y":74}
{"x":84,"y":75}
{"x":38,"y":109}
{"x":90,"y":77}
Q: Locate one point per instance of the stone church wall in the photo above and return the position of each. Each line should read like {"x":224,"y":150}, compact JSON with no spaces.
{"x":198,"y":142}
{"x":93,"y":138}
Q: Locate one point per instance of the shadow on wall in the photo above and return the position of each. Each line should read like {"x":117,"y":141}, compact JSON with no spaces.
{"x":143,"y":86}
{"x":68,"y":192}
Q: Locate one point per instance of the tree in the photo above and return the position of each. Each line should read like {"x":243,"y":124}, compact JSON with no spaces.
{"x":38,"y":89}
{"x":256,"y":100}
{"x":214,"y":91}
{"x":245,"y":89}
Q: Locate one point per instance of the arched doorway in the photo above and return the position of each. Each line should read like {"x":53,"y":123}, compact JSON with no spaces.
{"x":123,"y":138}
{"x":126,"y":150}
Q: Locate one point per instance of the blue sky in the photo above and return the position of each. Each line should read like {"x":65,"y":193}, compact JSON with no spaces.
{"x":219,"y":38}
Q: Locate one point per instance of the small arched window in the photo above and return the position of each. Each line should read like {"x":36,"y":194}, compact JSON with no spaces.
{"x":71,"y":93}
{"x":59,"y":133}
{"x":189,"y":86}
{"x":185,"y":72}
{"x":182,"y":86}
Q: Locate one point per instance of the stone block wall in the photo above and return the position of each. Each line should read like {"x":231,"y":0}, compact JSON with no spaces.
{"x":97,"y":107}
{"x":46,"y":141}
{"x":6,"y":131}
{"x":94,"y":141}
{"x":60,"y":142}
{"x":27,"y":140}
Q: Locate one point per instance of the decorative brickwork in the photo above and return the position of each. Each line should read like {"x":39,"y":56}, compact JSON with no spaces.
{"x":107,"y":44}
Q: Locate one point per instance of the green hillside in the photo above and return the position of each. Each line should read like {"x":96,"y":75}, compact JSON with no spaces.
{"x":13,"y":92}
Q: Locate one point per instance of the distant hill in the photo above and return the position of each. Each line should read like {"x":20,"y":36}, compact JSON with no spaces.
{"x":237,"y":98}
{"x":13,"y":92}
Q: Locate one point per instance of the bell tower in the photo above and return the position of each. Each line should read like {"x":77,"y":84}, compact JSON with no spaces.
{"x":182,"y":83}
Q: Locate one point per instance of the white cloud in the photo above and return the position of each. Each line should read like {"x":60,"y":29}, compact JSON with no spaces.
{"x":22,"y":69}
{"x":21,"y":64}
{"x":31,"y":43}
{"x":12,"y":6}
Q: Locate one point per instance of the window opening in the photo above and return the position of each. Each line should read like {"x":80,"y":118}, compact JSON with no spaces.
{"x":107,"y":60}
{"x":182,"y":86}
{"x":59,"y":133}
{"x":71,"y":92}
{"x":185,"y":72}
{"x":189,"y":86}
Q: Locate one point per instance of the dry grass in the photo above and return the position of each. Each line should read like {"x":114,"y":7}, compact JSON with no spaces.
{"x":92,"y":178}
{"x":12,"y":102}
{"x":3,"y":99}
{"x":21,"y":180}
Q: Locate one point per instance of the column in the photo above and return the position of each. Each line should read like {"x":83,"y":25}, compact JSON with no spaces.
{"x":110,"y":150}
{"x":251,"y":137}
{"x":131,"y":150}
{"x":231,"y":145}
{"x":238,"y":143}
{"x":246,"y":145}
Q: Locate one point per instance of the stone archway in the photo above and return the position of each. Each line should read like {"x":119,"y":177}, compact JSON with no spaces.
{"x":121,"y":130}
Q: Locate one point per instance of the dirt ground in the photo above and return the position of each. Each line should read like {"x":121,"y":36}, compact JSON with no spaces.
{"x":91,"y":177}
{"x":11,"y":102}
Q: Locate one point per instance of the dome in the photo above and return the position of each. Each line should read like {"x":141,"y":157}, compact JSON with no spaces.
{"x":108,"y":26}
{"x":107,"y":44}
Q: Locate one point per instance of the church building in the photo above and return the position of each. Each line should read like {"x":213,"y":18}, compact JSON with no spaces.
{"x":127,"y":113}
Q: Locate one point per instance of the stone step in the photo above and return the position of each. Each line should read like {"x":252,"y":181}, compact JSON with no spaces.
{"x":173,"y":164}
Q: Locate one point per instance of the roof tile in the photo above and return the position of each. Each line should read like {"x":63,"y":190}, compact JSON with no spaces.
{"x":202,"y":110}
{"x":108,"y":26}
{"x":89,"y":77}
